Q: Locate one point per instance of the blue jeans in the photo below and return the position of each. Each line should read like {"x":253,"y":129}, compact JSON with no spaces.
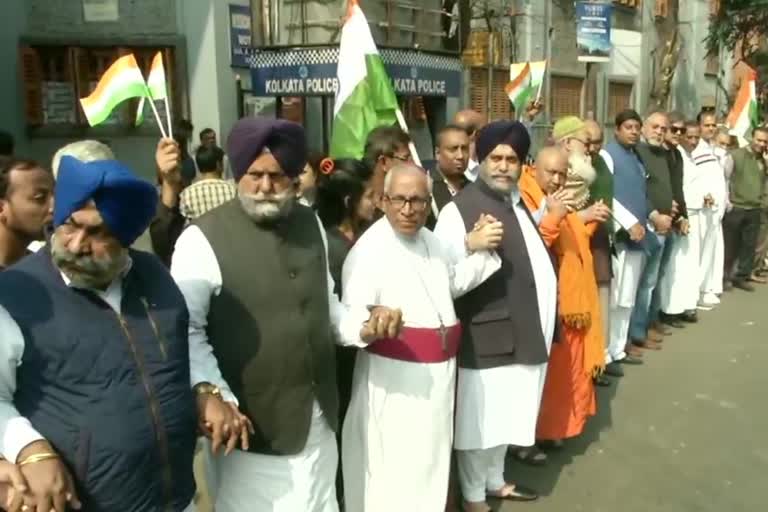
{"x":645,"y":311}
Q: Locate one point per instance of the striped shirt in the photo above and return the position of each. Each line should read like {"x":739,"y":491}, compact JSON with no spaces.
{"x":205,"y":195}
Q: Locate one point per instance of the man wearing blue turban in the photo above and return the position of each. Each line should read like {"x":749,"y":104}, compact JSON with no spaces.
{"x":96,"y":403}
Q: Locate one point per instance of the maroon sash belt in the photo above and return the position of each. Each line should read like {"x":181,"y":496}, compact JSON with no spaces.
{"x":419,"y":345}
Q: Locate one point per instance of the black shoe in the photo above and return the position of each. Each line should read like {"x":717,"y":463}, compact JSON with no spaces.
{"x":690,"y":317}
{"x":614,"y":369}
{"x":743,"y":285}
{"x":631,"y":360}
{"x":602,"y":381}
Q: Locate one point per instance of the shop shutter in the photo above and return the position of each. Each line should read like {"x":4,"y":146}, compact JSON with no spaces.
{"x":661,"y":8}
{"x":565,"y":96}
{"x":32,"y":78}
{"x":619,"y":98}
{"x":500,"y":105}
{"x":628,"y":3}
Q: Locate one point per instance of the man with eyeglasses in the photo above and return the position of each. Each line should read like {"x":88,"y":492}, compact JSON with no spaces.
{"x":674,"y":311}
{"x":385,"y":147}
{"x":509,"y":321}
{"x":396,"y":441}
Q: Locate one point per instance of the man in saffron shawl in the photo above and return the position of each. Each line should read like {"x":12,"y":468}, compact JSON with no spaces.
{"x":569,"y":397}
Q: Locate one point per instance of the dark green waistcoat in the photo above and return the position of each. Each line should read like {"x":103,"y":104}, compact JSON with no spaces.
{"x":270,"y":325}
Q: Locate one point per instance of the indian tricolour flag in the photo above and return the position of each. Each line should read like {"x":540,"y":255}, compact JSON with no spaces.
{"x":365,"y":98}
{"x":744,"y":115}
{"x":121,"y":81}
{"x":156,"y":85}
{"x":526,"y":79}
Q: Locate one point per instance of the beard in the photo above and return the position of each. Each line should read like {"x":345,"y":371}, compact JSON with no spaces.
{"x":267,"y":208}
{"x":580,"y":165}
{"x":488,"y":176}
{"x":87,"y":271}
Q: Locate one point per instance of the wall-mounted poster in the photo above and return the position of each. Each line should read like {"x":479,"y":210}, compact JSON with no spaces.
{"x":593,"y":31}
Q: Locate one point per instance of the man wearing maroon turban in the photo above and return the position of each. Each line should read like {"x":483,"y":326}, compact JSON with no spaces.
{"x":508,"y":321}
{"x":254,"y":273}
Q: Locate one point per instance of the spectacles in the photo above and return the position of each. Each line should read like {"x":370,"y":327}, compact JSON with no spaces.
{"x":402,"y":158}
{"x":679,"y":130}
{"x":418,"y":204}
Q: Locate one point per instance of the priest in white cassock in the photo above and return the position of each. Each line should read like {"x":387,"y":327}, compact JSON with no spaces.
{"x":254,"y":273}
{"x":508,"y":321}
{"x":397,"y":436}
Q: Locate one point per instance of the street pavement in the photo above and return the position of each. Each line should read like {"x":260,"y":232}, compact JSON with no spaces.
{"x":685,"y":432}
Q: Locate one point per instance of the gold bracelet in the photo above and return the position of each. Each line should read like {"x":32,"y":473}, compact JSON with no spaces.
{"x":38,"y":457}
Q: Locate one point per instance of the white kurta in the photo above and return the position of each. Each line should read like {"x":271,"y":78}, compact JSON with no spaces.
{"x":682,"y":279}
{"x":500,"y":406}
{"x":396,"y":439}
{"x":305,"y":481}
{"x":710,"y":220}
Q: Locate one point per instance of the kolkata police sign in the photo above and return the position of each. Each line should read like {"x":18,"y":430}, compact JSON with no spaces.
{"x":284,"y":76}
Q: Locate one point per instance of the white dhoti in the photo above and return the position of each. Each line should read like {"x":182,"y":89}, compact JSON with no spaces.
{"x":627,"y":271}
{"x":400,"y":411}
{"x":304,"y":482}
{"x":712,"y":251}
{"x":682,"y":280}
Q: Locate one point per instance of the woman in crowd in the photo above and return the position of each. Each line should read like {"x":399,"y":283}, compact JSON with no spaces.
{"x":307,"y":187}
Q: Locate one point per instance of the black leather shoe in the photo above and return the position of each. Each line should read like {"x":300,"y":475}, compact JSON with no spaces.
{"x":671,"y":320}
{"x":743,"y":285}
{"x":690,"y":317}
{"x":614,"y":369}
{"x":631,"y":360}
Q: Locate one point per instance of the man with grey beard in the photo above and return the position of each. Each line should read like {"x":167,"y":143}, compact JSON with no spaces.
{"x":96,"y":401}
{"x":254,"y":273}
{"x":644,"y":330}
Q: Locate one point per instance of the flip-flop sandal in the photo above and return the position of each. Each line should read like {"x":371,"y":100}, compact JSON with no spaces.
{"x":514,"y":493}
{"x":530,"y":456}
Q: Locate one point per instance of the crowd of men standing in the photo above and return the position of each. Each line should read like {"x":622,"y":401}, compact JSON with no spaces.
{"x":364,"y":335}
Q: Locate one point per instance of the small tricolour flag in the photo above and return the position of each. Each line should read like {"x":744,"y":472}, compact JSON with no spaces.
{"x":156,"y":85}
{"x":121,"y":81}
{"x":525,"y":83}
{"x":744,"y":115}
{"x":365,"y":98}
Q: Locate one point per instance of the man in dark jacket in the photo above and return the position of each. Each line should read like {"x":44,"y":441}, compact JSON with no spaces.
{"x":451,"y":160}
{"x":662,"y":206}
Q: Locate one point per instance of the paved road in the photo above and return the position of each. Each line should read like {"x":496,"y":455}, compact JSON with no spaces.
{"x":686,"y":432}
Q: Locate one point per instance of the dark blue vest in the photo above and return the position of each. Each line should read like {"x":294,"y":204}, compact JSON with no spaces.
{"x":110,"y":392}
{"x":629,"y":183}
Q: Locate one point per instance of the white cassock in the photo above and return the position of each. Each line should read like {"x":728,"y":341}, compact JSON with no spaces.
{"x":250,"y":481}
{"x":627,"y":270}
{"x":710,"y":221}
{"x":497,"y":407}
{"x":397,"y":435}
{"x":682,"y":280}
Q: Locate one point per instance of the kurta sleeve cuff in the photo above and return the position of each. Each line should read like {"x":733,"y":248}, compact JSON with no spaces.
{"x":17,"y":435}
{"x":623,"y":217}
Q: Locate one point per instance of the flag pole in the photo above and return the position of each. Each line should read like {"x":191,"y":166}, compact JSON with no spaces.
{"x":168,"y":115}
{"x":157,"y":116}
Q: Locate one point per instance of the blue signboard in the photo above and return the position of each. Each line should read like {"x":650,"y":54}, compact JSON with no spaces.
{"x":240,"y":40}
{"x":312,"y":72}
{"x":593,"y":31}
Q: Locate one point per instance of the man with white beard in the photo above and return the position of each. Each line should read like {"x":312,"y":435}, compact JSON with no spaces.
{"x":254,"y":273}
{"x":663,"y":208}
{"x":712,"y":213}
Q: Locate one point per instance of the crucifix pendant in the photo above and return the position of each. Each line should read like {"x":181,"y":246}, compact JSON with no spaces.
{"x":443,"y":337}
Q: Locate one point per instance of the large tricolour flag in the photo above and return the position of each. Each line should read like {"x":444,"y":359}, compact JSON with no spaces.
{"x":744,"y":115}
{"x":365,"y":98}
{"x":156,"y":85}
{"x":525,"y":83}
{"x":121,"y":81}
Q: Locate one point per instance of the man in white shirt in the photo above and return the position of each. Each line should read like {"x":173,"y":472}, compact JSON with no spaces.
{"x":254,"y":274}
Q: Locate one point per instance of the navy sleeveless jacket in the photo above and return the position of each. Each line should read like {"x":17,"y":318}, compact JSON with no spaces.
{"x":111,"y":392}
